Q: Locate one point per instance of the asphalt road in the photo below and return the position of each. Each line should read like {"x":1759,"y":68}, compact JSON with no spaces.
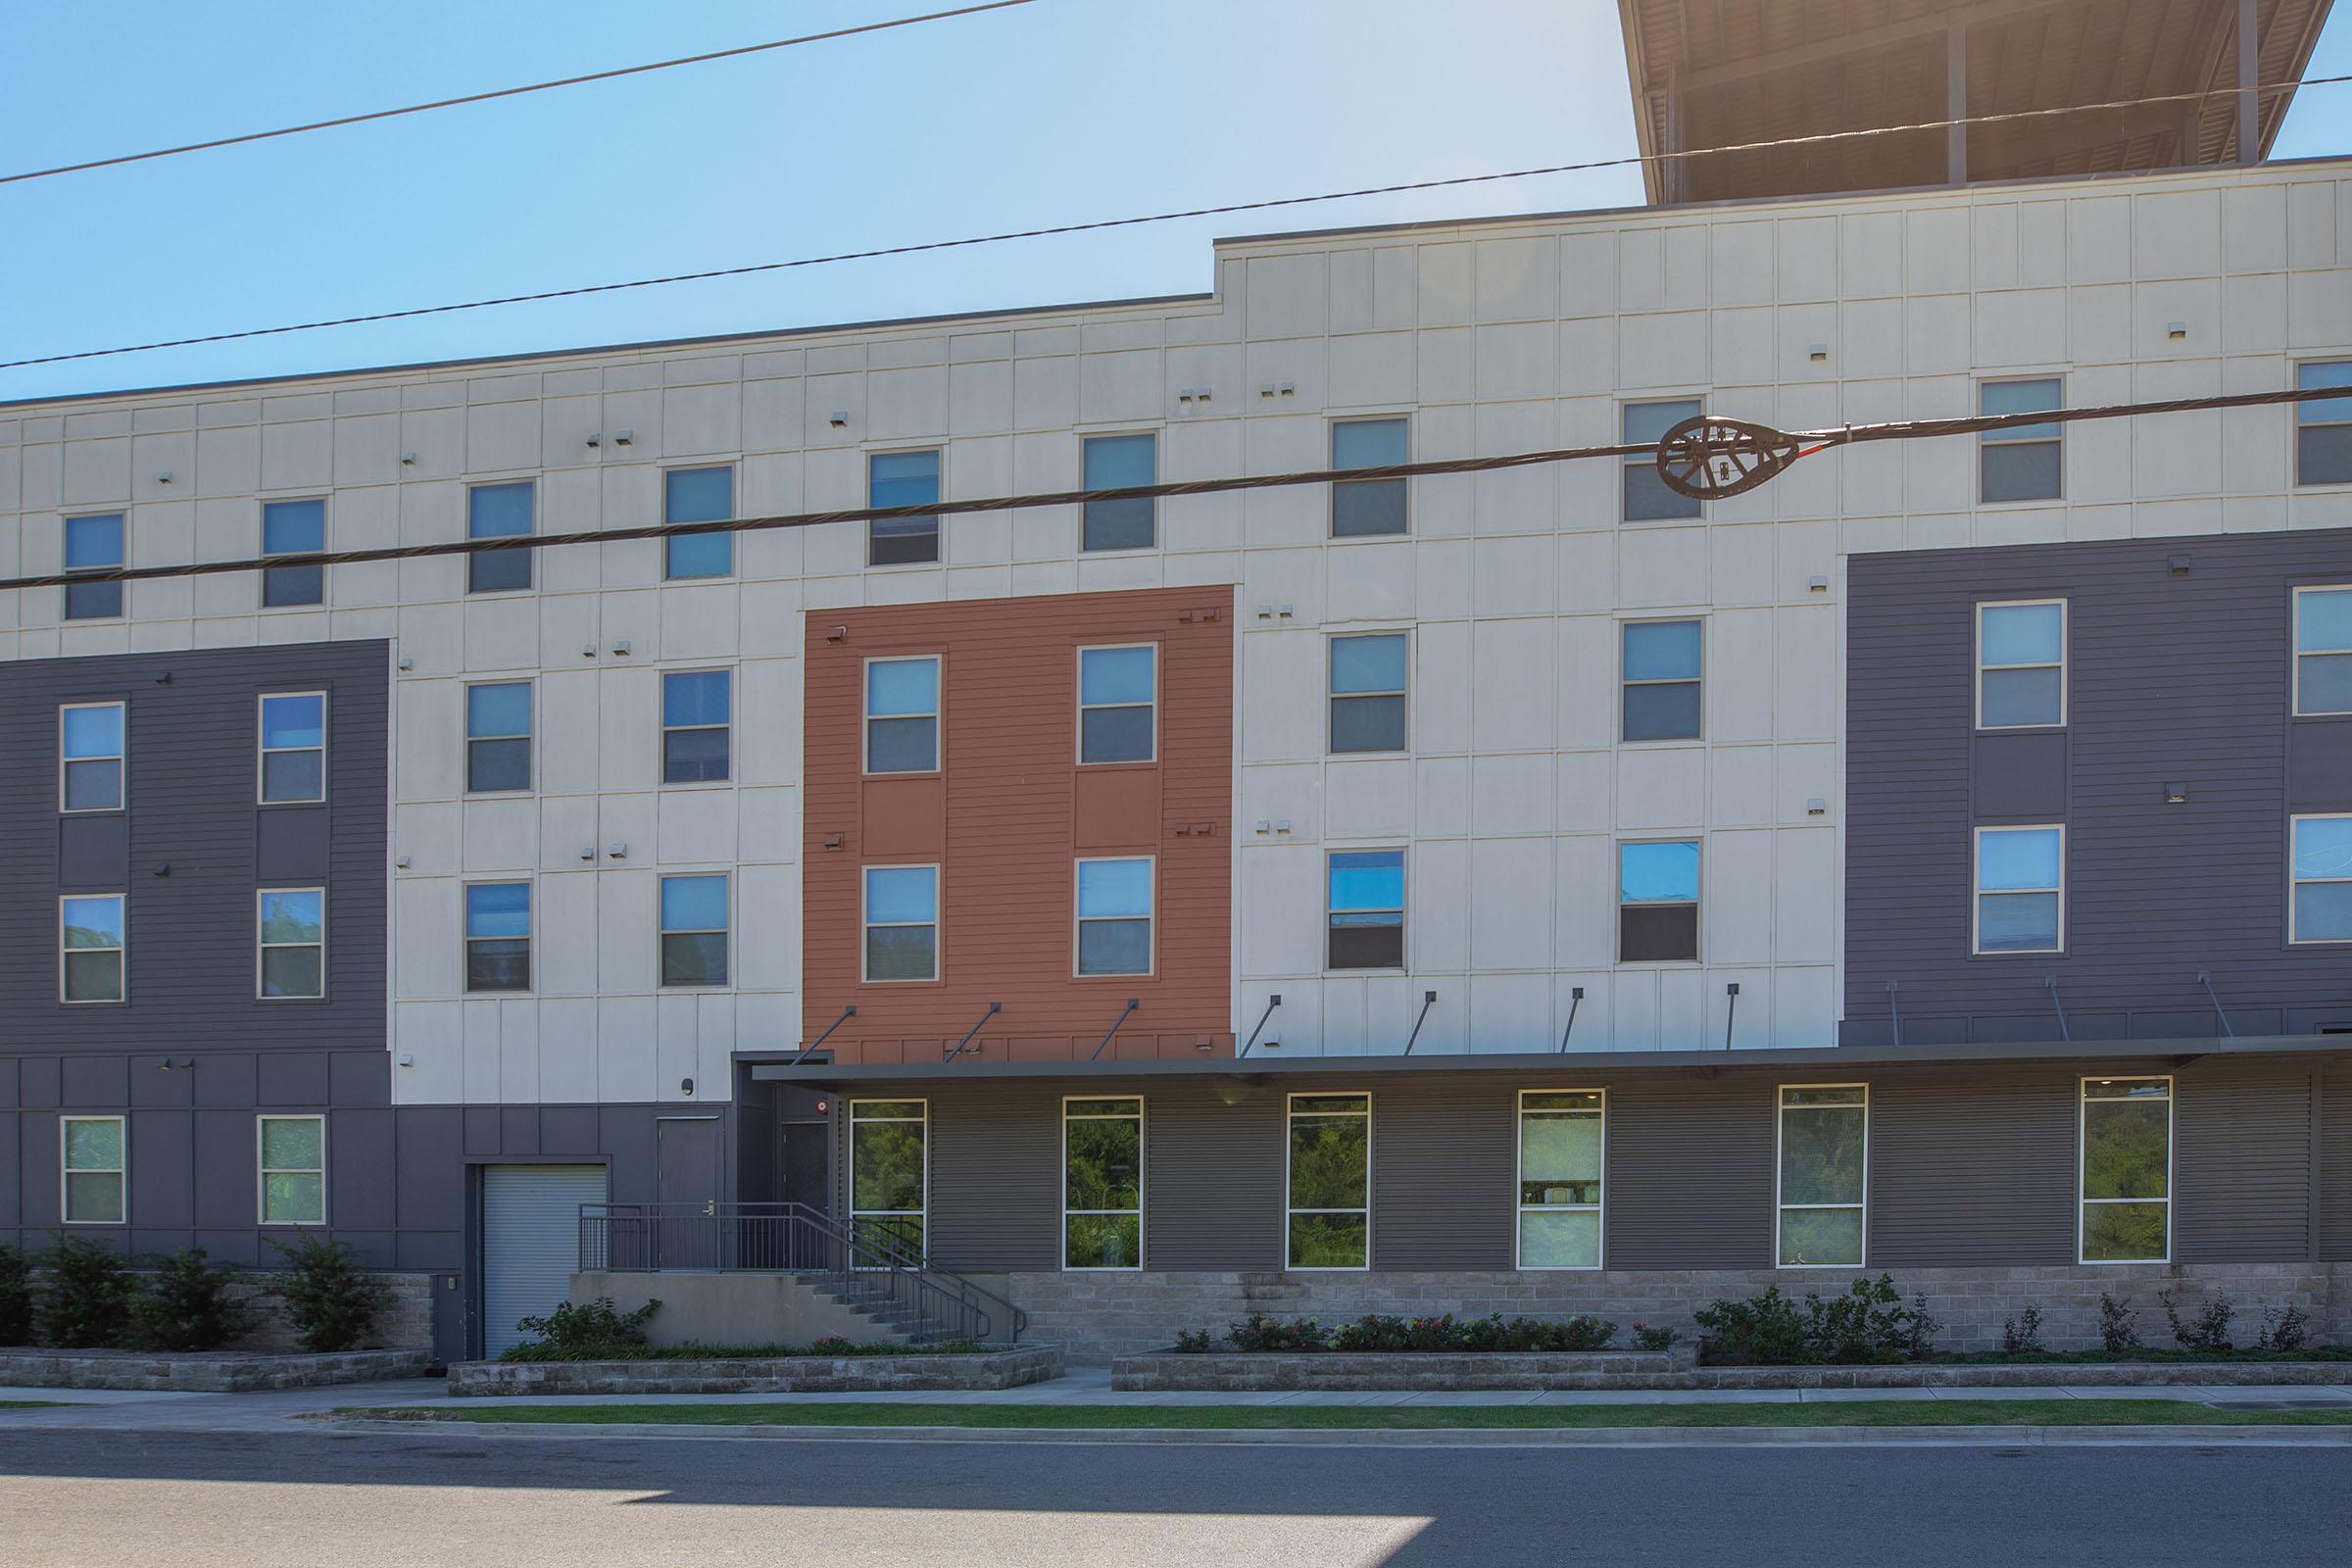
{"x":453,"y":1499}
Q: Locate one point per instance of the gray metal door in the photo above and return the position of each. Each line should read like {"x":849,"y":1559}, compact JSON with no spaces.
{"x":686,"y":1185}
{"x":530,"y":1243}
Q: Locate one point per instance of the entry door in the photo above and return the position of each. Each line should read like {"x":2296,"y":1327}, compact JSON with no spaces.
{"x":803,"y":1153}
{"x":686,"y":1185}
{"x":530,"y":1243}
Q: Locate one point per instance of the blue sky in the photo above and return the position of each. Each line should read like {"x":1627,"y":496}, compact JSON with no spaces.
{"x":1062,"y":111}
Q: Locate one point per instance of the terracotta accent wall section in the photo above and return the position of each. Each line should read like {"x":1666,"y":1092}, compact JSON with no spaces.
{"x":1007,"y":815}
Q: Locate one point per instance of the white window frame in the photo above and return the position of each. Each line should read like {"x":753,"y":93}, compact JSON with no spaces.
{"x":2171,"y":1161}
{"x":1618,"y":903}
{"x":263,"y":750}
{"x":663,"y":730}
{"x":530,"y":939}
{"x":1078,"y":921}
{"x":64,"y":533}
{"x":937,"y":923}
{"x":263,"y":1171}
{"x":734,"y":505}
{"x":1403,"y":694}
{"x":923,"y":1119}
{"x":1649,"y":459}
{"x":1521,"y":1207}
{"x":265,"y":553}
{"x":1083,"y":707}
{"x":121,"y":1172}
{"x":1290,"y":1115}
{"x":122,"y":953}
{"x":1625,"y":682}
{"x":530,"y":552}
{"x":2005,"y":439}
{"x":1087,"y":438}
{"x":937,"y":715}
{"x":1780,"y":1208}
{"x":120,"y":759}
{"x":679,"y":874}
{"x":1977,"y":891}
{"x":2066,"y":632}
{"x":2297,"y":425}
{"x":1331,"y":452}
{"x":1143,"y":1177}
{"x":2295,"y":883}
{"x":261,"y":949}
{"x":2295,"y":646}
{"x":1405,"y":912}
{"x":529,"y":737}
{"x":939,"y":525}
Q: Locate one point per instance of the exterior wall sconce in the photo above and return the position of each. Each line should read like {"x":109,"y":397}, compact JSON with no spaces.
{"x":2177,"y":565}
{"x":2176,"y":795}
{"x":686,"y":1086}
{"x":596,"y":440}
{"x":1817,"y":806}
{"x":163,"y":477}
{"x":1817,"y":584}
{"x":1817,"y":351}
{"x":408,"y":460}
{"x":839,"y":418}
{"x":618,"y":851}
{"x":624,"y":438}
{"x":587,"y":851}
{"x":399,"y":862}
{"x":2175,"y":330}
{"x":620,"y":650}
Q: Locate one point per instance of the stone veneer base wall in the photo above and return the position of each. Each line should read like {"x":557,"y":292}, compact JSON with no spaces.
{"x":794,"y":1374}
{"x":206,"y":1372}
{"x":406,"y":1324}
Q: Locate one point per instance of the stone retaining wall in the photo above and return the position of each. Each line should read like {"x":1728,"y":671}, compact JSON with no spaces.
{"x":788,"y":1374}
{"x":406,"y":1324}
{"x":209,"y":1372}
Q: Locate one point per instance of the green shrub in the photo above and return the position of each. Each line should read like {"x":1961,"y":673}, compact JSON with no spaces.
{"x":576,"y":1330}
{"x":1646,"y":1338}
{"x":2118,"y":1332}
{"x":2283,"y":1331}
{"x":1259,"y":1332}
{"x":188,"y":1306}
{"x":16,"y":1296}
{"x":86,"y":1297}
{"x":1869,"y":1322}
{"x":1919,"y":1337}
{"x":332,"y":1303}
{"x":1194,"y":1342}
{"x":2209,"y":1330}
{"x":1762,"y":1331}
{"x":2022,"y":1335}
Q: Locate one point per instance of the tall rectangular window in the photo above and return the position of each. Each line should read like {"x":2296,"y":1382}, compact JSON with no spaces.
{"x":90,"y":1154}
{"x":2321,"y":892}
{"x":293,"y":735}
{"x":1662,"y":662}
{"x":2021,"y":461}
{"x":498,"y":936}
{"x":1328,"y":1182}
{"x":293,"y":528}
{"x":698,"y":494}
{"x":91,"y":946}
{"x":901,"y":479}
{"x":1367,"y":508}
{"x":1366,"y":909}
{"x":94,"y":544}
{"x":1119,"y":693}
{"x":1116,"y":463}
{"x":1657,"y":902}
{"x":1646,"y":498}
{"x":2021,"y":889}
{"x":293,"y":1170}
{"x":2021,"y":664}
{"x":2324,"y":650}
{"x":694,"y":930}
{"x":293,"y":941}
{"x":889,"y":1180}
{"x":1114,"y":916}
{"x":2126,"y":1170}
{"x":498,"y":511}
{"x":1825,"y":1177}
{"x":2324,"y":425}
{"x":1560,"y":1159}
{"x":694,"y":710}
{"x":902,"y":922}
{"x":90,"y":753}
{"x":1367,"y":693}
{"x":1102,"y":1183}
{"x":498,"y":737}
{"x":902,"y":715}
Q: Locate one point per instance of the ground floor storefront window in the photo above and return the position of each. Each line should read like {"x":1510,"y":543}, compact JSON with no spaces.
{"x":1824,"y":1174}
{"x":1102,"y":1183}
{"x":1560,"y":1159}
{"x":888,"y":1174}
{"x":2126,"y":1170}
{"x":1330,"y":1181}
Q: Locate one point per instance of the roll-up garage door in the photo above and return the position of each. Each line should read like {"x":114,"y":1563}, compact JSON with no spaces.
{"x":530,"y":1243}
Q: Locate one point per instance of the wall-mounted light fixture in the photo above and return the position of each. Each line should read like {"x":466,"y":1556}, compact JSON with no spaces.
{"x":617,"y":850}
{"x":624,"y":438}
{"x":2176,"y":795}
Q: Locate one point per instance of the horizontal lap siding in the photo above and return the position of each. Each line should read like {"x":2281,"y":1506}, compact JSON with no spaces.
{"x":2241,"y":1165}
{"x":2335,"y":1166}
{"x":1973,"y":1168}
{"x":1690,"y":1175}
{"x":995,"y":1175}
{"x":1443,"y":1159}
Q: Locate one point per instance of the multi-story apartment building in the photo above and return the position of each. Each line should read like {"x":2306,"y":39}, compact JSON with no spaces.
{"x":1534,"y":890}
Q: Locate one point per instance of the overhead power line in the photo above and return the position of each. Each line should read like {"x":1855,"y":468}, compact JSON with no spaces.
{"x":1798,"y":444}
{"x":504,"y":92}
{"x":1099,"y":224}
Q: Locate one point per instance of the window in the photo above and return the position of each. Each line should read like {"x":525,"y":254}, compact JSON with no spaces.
{"x":498,"y":737}
{"x":1560,"y":1146}
{"x":293,"y":941}
{"x":2021,"y":664}
{"x":694,"y":930}
{"x":1657,"y":902}
{"x":91,"y":948}
{"x":2021,"y":889}
{"x":1113,"y":463}
{"x":1114,"y":916}
{"x":1117,"y":690}
{"x":498,"y":936}
{"x":1101,"y":1184}
{"x":2323,"y":880}
{"x":1329,"y":1181}
{"x":888,"y":1178}
{"x":2324,"y":426}
{"x":293,"y":732}
{"x":498,"y":511}
{"x":902,"y":715}
{"x":1825,"y":1180}
{"x":902,"y":922}
{"x":2126,"y":1170}
{"x":293,"y":528}
{"x":90,"y":1153}
{"x":1363,"y":508}
{"x":2324,"y":650}
{"x":293,"y":1170}
{"x":694,"y":726}
{"x":1661,"y":679}
{"x":901,"y":479}
{"x":1647,"y":497}
{"x":2022,"y":461}
{"x":698,"y":494}
{"x":1367,"y":693}
{"x":93,"y":544}
{"x":1366,"y":917}
{"x":89,"y":757}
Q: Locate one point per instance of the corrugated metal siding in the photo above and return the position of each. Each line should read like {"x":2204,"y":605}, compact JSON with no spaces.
{"x":1690,"y":1175}
{"x":2241,"y":1165}
{"x":1973,"y":1169}
{"x":996,"y":1177}
{"x":1443,"y":1159}
{"x":2335,"y":1165}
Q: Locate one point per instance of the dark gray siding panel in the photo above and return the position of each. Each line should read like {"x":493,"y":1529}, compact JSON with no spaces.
{"x":1213,"y":1177}
{"x":2335,"y":1164}
{"x":1690,"y":1175}
{"x":1974,"y":1168}
{"x":1443,"y":1163}
{"x":2241,"y":1165}
{"x":995,"y":1174}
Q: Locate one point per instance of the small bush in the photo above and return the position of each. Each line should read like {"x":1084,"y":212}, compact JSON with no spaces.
{"x":1919,"y":1336}
{"x":1194,"y":1342}
{"x":86,"y":1297}
{"x":16,"y":1296}
{"x":2283,"y":1330}
{"x":2209,"y":1330}
{"x":332,"y":1303}
{"x":1646,"y":1338}
{"x":1867,"y":1323}
{"x":2119,"y":1330}
{"x":1762,"y":1331}
{"x":188,"y":1306}
{"x":2022,"y":1335}
{"x":575,"y":1330}
{"x":1260,"y":1332}
{"x":830,"y":1345}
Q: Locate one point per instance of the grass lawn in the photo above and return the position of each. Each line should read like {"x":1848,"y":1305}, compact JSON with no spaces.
{"x":1396,"y":1418}
{"x":29,"y":1404}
